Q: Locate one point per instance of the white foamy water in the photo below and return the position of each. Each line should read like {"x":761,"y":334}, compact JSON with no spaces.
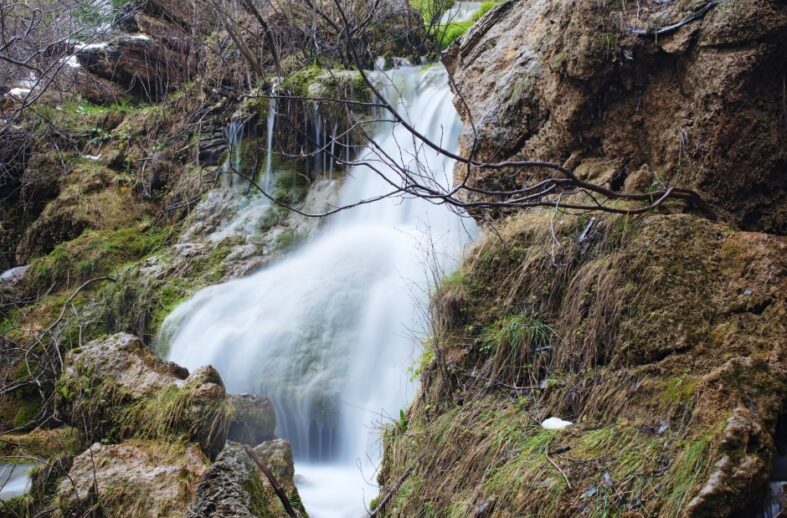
{"x":460,"y":12}
{"x":328,"y":332}
{"x":14,"y":480}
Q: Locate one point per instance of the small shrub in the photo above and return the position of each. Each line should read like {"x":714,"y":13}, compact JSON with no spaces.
{"x":516,"y":331}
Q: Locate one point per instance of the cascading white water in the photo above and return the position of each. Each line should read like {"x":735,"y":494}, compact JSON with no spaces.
{"x":328,"y":333}
{"x":460,"y":12}
{"x":14,"y":480}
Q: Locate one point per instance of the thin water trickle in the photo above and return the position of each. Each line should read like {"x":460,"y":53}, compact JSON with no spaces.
{"x":267,"y":181}
{"x":328,"y":333}
{"x":231,"y":167}
{"x":333,"y":148}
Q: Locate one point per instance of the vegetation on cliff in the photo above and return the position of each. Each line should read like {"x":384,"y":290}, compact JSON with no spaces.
{"x":658,"y":337}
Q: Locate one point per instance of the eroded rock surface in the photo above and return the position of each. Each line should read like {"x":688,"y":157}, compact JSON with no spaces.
{"x":699,"y":107}
{"x":138,"y":63}
{"x":132,"y":479}
{"x":234,"y":486}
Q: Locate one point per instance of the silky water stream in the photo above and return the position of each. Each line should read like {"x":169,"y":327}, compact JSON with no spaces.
{"x":329,"y":331}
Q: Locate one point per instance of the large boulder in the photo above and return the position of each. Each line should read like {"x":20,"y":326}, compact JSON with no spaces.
{"x":125,"y":361}
{"x":234,"y":486}
{"x":698,"y":107}
{"x":115,"y":388}
{"x":139,"y":478}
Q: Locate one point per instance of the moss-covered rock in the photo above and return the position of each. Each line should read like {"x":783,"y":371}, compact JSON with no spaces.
{"x":135,"y":478}
{"x":41,"y":443}
{"x":90,"y":196}
{"x":115,"y":388}
{"x":94,"y":253}
{"x":662,"y":338}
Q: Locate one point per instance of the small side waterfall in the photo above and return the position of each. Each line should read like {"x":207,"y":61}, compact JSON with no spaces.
{"x":231,"y":167}
{"x":244,"y":204}
{"x":328,"y":333}
{"x":14,"y":480}
{"x":270,"y":126}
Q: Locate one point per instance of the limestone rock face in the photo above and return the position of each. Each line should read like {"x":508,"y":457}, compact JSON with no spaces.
{"x":233,"y":486}
{"x":700,"y":107}
{"x":124,"y":359}
{"x":138,"y":478}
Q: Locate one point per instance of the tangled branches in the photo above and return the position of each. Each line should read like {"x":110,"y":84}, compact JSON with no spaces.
{"x":541,"y":183}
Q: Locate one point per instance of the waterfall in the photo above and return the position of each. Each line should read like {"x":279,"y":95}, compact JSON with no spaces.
{"x":231,"y":167}
{"x":333,"y":148}
{"x":270,"y":127}
{"x":328,"y":332}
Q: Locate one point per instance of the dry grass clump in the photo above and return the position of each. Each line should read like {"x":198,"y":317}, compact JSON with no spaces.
{"x":493,"y":452}
{"x":538,"y":295}
{"x":179,"y":412}
{"x":105,"y":412}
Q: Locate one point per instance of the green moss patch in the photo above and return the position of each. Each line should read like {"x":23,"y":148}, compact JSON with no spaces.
{"x":96,"y":253}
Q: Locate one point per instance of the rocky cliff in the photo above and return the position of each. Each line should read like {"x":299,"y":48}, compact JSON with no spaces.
{"x":683,"y":93}
{"x":125,"y":189}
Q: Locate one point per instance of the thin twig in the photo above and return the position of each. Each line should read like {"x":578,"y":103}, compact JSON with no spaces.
{"x":381,"y":505}
{"x":668,"y":29}
{"x":272,"y":479}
